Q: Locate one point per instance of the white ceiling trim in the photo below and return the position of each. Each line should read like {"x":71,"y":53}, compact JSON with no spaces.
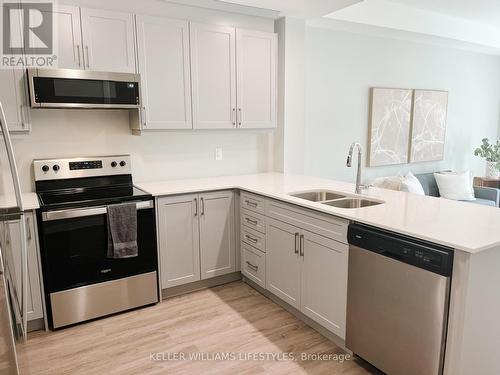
{"x":392,"y":15}
{"x":408,"y":36}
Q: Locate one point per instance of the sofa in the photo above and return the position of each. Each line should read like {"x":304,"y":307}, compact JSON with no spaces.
{"x":484,"y":195}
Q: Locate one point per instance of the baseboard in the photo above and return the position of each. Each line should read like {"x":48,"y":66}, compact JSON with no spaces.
{"x":202,"y":284}
{"x":36,"y":324}
{"x":299,"y":315}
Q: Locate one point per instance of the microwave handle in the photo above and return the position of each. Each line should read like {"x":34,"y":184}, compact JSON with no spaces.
{"x":81,"y":212}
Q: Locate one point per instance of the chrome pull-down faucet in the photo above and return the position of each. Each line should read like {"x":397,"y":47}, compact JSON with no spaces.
{"x":354,"y":145}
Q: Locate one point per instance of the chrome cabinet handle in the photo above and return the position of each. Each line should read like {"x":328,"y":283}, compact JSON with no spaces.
{"x":296,"y":243}
{"x":253,"y":222}
{"x":143,"y":116}
{"x":21,"y":112}
{"x":28,"y":225}
{"x":195,"y":206}
{"x":301,"y":245}
{"x":250,"y":203}
{"x":250,"y":238}
{"x":252,"y":266}
{"x":239,"y":122}
{"x":202,"y":206}
{"x":87,"y":54}
{"x":78,"y":53}
{"x":233,"y":117}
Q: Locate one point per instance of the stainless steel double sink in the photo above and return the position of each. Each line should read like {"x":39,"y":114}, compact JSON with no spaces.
{"x":335,"y":199}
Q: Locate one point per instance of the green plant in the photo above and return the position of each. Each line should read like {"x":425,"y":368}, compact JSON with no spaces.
{"x":490,"y":152}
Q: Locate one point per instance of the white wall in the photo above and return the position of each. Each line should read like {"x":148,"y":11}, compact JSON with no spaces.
{"x":155,"y":155}
{"x":342,"y":66}
{"x":289,"y":137}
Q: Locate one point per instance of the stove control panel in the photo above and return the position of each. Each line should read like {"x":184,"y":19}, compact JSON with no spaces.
{"x":55,"y":169}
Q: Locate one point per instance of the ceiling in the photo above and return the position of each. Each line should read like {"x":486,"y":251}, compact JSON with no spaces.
{"x":297,"y":8}
{"x":486,"y":11}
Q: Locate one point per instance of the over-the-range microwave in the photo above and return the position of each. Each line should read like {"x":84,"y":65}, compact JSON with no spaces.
{"x":73,"y":88}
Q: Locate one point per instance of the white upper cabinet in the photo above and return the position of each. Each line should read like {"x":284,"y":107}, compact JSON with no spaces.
{"x":14,"y":99}
{"x":256,"y":69}
{"x":108,"y":40}
{"x":163,"y":57}
{"x":69,"y":50}
{"x":213,"y":74}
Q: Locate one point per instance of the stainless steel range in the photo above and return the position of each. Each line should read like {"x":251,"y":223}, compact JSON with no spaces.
{"x":81,"y":281}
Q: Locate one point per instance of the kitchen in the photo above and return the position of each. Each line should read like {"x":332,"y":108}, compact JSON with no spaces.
{"x":202,"y":154}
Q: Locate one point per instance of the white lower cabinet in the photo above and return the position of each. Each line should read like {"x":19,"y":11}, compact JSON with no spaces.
{"x":324,"y":281}
{"x":283,"y":262}
{"x":306,"y":257}
{"x":34,"y":293}
{"x":217,"y":236}
{"x":179,"y":240}
{"x":196,"y":237}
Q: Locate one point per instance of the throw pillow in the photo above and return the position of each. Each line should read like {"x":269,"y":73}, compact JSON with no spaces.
{"x":456,"y":186}
{"x":411,"y":184}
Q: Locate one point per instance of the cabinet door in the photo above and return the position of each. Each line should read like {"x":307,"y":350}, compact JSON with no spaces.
{"x":163,"y":56}
{"x":213,"y":74}
{"x":256,"y":72}
{"x":108,"y":39}
{"x":283,"y":262}
{"x":179,"y":240}
{"x":34,"y":305}
{"x":217,"y":234}
{"x":67,"y":27}
{"x":13,"y":90}
{"x":324,"y":281}
{"x":13,"y":98}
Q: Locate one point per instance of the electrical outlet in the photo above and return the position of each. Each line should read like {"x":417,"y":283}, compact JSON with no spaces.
{"x":218,"y":153}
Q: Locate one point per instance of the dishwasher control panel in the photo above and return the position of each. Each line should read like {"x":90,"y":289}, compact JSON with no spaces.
{"x":419,"y":253}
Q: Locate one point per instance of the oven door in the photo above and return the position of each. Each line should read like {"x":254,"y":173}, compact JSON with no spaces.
{"x":74,"y":247}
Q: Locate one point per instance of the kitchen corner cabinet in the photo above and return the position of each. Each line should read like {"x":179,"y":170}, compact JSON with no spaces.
{"x":163,"y":63}
{"x":196,"y":237}
{"x":34,"y":293}
{"x":95,"y":39}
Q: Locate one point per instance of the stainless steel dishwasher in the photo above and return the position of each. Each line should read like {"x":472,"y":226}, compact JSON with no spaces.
{"x":397,"y":301}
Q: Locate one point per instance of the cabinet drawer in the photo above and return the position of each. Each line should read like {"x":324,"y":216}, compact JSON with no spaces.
{"x":322,"y":224}
{"x":253,"y":202}
{"x":253,"y":220}
{"x":254,"y":238}
{"x":254,"y":264}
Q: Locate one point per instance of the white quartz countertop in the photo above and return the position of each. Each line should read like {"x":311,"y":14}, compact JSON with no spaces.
{"x":30,"y":201}
{"x":464,"y":226}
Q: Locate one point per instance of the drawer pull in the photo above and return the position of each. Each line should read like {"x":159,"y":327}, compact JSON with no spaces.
{"x":252,"y":266}
{"x":250,"y":238}
{"x":250,"y":203}
{"x":253,"y":222}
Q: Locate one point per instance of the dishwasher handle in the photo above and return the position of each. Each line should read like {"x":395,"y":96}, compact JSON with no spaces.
{"x":413,"y":251}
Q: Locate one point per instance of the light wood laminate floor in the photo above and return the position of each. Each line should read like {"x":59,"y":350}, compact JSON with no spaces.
{"x":233,"y":318}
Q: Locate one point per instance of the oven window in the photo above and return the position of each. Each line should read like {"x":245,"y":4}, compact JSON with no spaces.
{"x":85,"y":91}
{"x":74,"y":251}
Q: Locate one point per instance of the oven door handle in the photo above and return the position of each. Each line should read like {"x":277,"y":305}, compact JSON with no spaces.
{"x":81,"y":212}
